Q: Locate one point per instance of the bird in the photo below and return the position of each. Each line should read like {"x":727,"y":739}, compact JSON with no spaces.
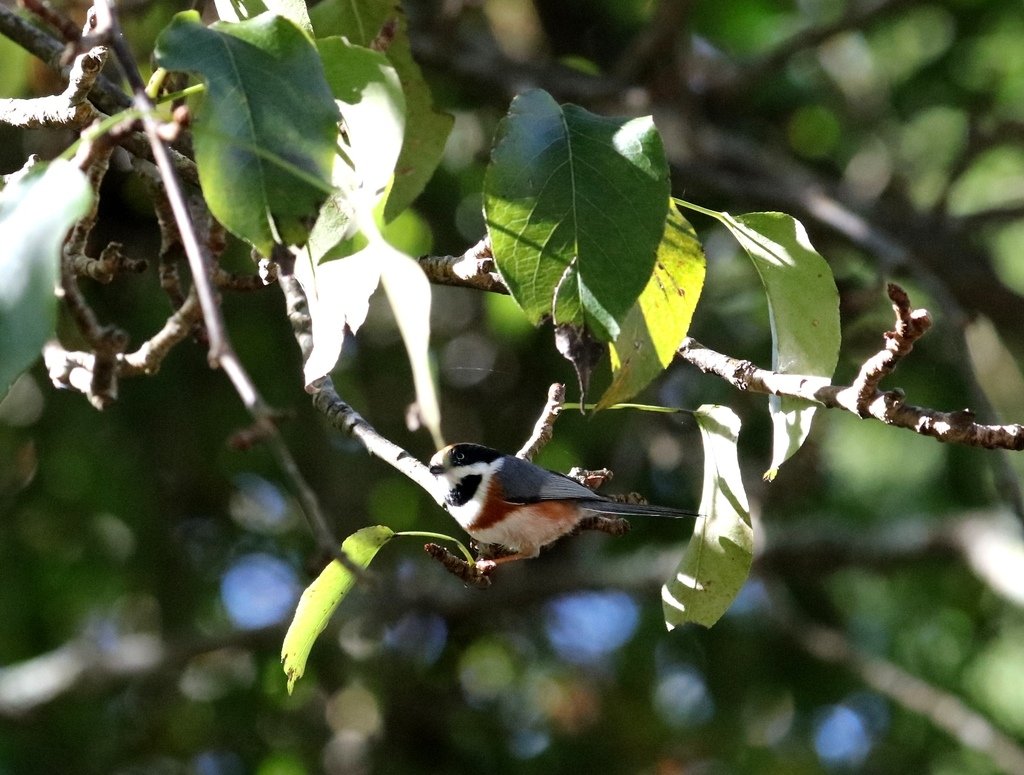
{"x":506,"y":500}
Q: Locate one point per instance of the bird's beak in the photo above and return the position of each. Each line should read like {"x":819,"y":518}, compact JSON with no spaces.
{"x":436,"y":469}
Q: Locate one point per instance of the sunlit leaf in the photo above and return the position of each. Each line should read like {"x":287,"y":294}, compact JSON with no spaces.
{"x":372,"y":106}
{"x":266,"y":130}
{"x":363,"y":22}
{"x":321,"y":598}
{"x":408,"y":293}
{"x":804,"y":307}
{"x":575,"y":205}
{"x":716,"y":561}
{"x":338,"y":293}
{"x":35,"y":215}
{"x":656,"y":325}
{"x":240,"y":10}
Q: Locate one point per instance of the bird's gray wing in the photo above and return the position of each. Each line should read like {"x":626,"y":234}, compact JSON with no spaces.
{"x":523,"y":482}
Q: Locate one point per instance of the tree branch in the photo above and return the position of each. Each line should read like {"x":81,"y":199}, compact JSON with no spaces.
{"x":863,"y":398}
{"x":545,"y":426}
{"x":340,"y":414}
{"x":473,"y":269}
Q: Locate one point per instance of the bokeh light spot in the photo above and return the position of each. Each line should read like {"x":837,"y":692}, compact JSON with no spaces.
{"x":258,"y":590}
{"x":586,"y":626}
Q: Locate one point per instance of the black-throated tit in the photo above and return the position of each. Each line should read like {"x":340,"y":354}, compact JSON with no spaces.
{"x":501,"y":499}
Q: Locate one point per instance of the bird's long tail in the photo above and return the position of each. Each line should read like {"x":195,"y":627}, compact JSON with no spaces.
{"x":636,"y":509}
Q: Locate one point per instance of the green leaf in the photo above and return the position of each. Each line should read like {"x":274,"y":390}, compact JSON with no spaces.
{"x":716,"y":561}
{"x":14,"y":68}
{"x":656,"y":325}
{"x":575,"y":205}
{"x":266,"y":131}
{"x":803,"y":303}
{"x":36,"y":212}
{"x":361,"y":21}
{"x":321,"y":598}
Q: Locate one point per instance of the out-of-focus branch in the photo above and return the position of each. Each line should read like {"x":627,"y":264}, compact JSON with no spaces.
{"x":944,"y":709}
{"x":857,"y":16}
{"x":83,"y":664}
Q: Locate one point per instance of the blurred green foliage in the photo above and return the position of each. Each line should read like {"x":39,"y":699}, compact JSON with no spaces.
{"x":117,"y":528}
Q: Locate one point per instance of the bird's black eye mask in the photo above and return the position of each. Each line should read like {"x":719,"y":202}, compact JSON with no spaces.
{"x":463,"y":492}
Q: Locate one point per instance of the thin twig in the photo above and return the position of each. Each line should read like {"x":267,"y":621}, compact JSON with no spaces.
{"x":545,"y":426}
{"x":221,"y":352}
{"x":339,"y":413}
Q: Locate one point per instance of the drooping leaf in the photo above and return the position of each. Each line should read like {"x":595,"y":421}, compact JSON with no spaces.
{"x":575,"y":206}
{"x":338,"y":293}
{"x":364,"y":22}
{"x":321,"y":598}
{"x":716,"y":561}
{"x":348,"y":253}
{"x":36,"y":212}
{"x":656,"y":325}
{"x":803,"y":303}
{"x":408,"y":293}
{"x":266,"y":130}
{"x":240,"y":10}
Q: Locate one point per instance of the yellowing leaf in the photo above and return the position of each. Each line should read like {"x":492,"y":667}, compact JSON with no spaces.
{"x":656,"y":325}
{"x":321,"y":598}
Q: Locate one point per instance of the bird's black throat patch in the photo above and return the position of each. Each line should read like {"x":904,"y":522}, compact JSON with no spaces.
{"x":463,"y":492}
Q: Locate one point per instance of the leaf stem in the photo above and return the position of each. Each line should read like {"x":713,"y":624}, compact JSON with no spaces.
{"x":441,"y":537}
{"x":640,"y":407}
{"x":718,"y":216}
